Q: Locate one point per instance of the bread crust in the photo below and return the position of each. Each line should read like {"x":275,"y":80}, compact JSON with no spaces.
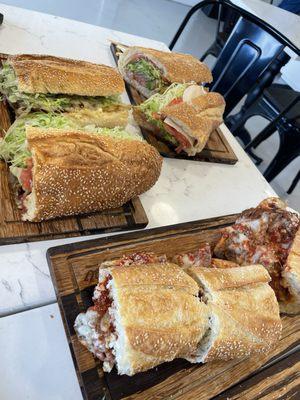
{"x":57,"y":75}
{"x":77,"y":172}
{"x":244,"y":311}
{"x":167,"y":275}
{"x":176,"y":67}
{"x":161,"y":316}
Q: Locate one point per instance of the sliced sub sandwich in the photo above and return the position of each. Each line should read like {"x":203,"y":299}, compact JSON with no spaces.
{"x":41,"y":82}
{"x":143,"y":315}
{"x":147,"y":313}
{"x":73,"y":172}
{"x":151,"y":71}
{"x":184,"y":116}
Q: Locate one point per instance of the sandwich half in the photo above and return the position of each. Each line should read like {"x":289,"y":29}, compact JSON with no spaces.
{"x":243,"y":312}
{"x":151,"y":71}
{"x":184,"y":116}
{"x":48,"y":83}
{"x":71,"y":172}
{"x":143,"y":315}
{"x":269,"y":235}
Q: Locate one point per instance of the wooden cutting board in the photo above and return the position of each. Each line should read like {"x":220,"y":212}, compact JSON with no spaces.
{"x":217,"y":149}
{"x":74,"y":270}
{"x":13,"y":230}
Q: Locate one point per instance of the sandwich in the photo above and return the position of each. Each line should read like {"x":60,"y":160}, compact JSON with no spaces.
{"x":70,"y":172}
{"x":149,"y":313}
{"x":243,"y":312}
{"x":183,"y":116}
{"x":143,"y":315}
{"x":152,"y":71}
{"x":13,"y":147}
{"x":268,"y":235}
{"x":90,"y":92}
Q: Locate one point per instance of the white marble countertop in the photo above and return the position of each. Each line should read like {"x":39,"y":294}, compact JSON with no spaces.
{"x":37,"y":352}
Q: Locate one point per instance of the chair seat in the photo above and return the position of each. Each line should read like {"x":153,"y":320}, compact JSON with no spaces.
{"x":279,"y":96}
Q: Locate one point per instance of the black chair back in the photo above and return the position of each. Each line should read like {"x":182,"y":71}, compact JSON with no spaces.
{"x":250,"y":50}
{"x":246,"y":54}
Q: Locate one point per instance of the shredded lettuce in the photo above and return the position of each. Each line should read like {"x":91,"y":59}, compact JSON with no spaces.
{"x":148,"y":71}
{"x":158,"y":101}
{"x":13,"y":147}
{"x":46,"y":102}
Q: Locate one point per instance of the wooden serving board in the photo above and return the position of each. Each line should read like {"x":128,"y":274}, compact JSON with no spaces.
{"x":74,"y":270}
{"x":217,"y":149}
{"x":13,"y":230}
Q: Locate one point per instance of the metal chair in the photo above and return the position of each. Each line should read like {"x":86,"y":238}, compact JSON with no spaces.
{"x":250,"y":59}
{"x":222,"y":33}
{"x":251,"y":48}
{"x":280,"y":105}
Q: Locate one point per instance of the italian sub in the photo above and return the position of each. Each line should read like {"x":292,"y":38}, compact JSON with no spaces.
{"x":151,"y":71}
{"x":183,"y":116}
{"x":269,"y":235}
{"x":90,"y":92}
{"x":72,"y":172}
{"x":148,"y":311}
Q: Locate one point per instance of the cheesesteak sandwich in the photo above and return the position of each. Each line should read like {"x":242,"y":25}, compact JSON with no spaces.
{"x":269,"y":235}
{"x":151,"y":71}
{"x":184,"y":116}
{"x":72,"y":172}
{"x":90,"y":92}
{"x":148,"y":311}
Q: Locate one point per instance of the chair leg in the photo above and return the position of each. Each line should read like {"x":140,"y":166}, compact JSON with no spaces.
{"x":294,"y":183}
{"x":207,"y":53}
{"x":289,"y":149}
{"x":263,"y":135}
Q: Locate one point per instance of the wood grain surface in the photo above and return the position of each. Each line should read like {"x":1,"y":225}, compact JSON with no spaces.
{"x":217,"y":149}
{"x":74,"y":270}
{"x":13,"y":230}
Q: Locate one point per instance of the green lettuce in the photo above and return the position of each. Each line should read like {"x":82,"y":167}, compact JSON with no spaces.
{"x":46,"y":102}
{"x":13,"y":147}
{"x":158,"y":101}
{"x":151,"y":74}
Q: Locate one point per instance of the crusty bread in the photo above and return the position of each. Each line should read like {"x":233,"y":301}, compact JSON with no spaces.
{"x":175,"y":67}
{"x":78,"y":172}
{"x":158,"y":317}
{"x":244,"y":313}
{"x":291,"y":278}
{"x":49,"y":74}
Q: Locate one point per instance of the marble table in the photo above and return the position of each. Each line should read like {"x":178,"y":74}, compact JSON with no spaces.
{"x":35,"y":359}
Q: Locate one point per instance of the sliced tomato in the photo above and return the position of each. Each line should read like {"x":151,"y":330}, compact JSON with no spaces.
{"x":178,"y":100}
{"x":184,"y":143}
{"x":26,"y":176}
